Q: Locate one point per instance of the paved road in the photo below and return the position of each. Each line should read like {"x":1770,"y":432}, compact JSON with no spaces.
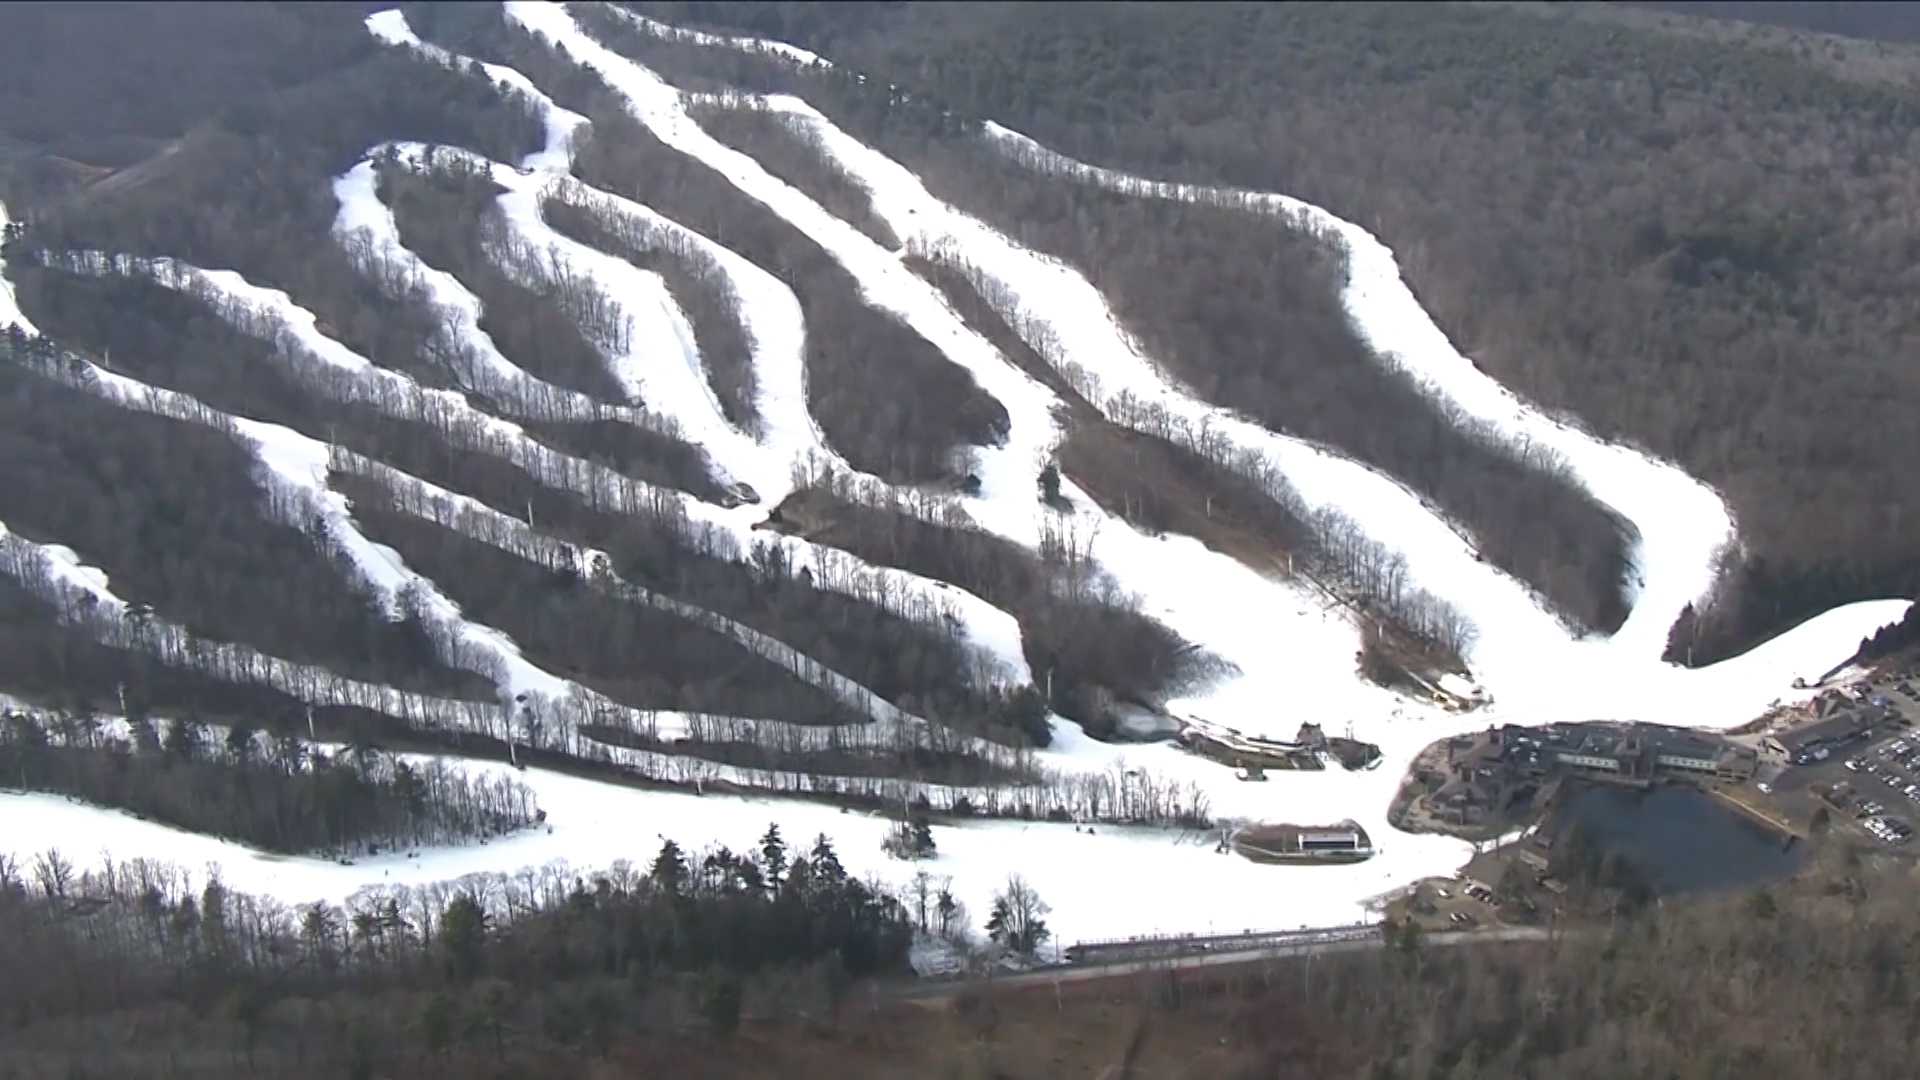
{"x":1068,"y":973}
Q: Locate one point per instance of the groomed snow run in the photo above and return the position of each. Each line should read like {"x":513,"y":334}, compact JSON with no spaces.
{"x":363,"y":215}
{"x":1295,"y":625}
{"x":791,"y":439}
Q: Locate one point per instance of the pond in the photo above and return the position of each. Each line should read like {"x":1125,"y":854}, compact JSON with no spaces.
{"x":1679,"y":838}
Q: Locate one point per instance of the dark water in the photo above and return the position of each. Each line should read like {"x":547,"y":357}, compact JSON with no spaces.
{"x":1679,"y":838}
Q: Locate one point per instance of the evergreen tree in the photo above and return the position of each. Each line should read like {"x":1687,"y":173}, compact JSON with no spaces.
{"x":827,"y":871}
{"x":669,"y":872}
{"x":773,"y":856}
{"x":463,"y":935}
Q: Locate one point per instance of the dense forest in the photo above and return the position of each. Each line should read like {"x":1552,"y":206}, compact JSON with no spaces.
{"x":1682,"y":241}
{"x":1246,"y":312}
{"x":436,"y":979}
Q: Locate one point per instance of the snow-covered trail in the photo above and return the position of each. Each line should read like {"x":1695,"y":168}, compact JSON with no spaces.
{"x":300,"y":463}
{"x":1076,"y":319}
{"x":476,"y":520}
{"x":10,"y":313}
{"x":1682,"y":524}
{"x":789,"y":437}
{"x":776,"y":335}
{"x":363,"y":215}
{"x":561,"y":125}
{"x":657,"y":362}
{"x":1539,"y":672}
{"x":1007,"y":472}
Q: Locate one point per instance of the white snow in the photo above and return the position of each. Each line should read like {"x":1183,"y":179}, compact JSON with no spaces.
{"x":10,"y":313}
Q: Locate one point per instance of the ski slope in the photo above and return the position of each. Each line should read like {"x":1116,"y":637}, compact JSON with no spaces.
{"x":1522,"y":653}
{"x":1681,"y":524}
{"x":1290,"y":653}
{"x":1270,"y":654}
{"x":1007,"y":471}
{"x":770,"y":314}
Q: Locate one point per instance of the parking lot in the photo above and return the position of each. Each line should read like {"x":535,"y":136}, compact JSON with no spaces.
{"x":1461,"y":903}
{"x":1884,"y":778}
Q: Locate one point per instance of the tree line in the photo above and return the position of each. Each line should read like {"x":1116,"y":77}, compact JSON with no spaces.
{"x":447,"y":215}
{"x":276,"y":793}
{"x":783,"y":152}
{"x":1892,"y":637}
{"x":251,"y":189}
{"x":1165,"y":477}
{"x":508,"y":967}
{"x":420,"y":447}
{"x":1353,"y":562}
